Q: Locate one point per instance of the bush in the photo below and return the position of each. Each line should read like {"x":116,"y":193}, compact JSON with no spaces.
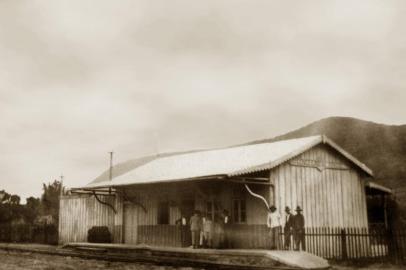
{"x":99,"y":234}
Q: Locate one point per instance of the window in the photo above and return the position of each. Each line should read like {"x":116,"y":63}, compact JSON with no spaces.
{"x":213,"y":209}
{"x":239,"y":211}
{"x":209,"y":209}
{"x":163,"y":213}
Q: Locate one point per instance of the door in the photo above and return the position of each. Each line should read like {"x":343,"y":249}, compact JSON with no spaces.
{"x":187,"y":209}
{"x":130,"y":223}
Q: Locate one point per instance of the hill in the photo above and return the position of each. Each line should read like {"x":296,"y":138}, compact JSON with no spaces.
{"x":381,"y":147}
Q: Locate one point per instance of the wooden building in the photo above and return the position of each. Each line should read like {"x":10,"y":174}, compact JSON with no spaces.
{"x":143,"y":205}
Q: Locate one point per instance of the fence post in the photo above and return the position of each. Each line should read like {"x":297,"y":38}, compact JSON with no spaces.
{"x":344,"y":255}
{"x":392,"y":247}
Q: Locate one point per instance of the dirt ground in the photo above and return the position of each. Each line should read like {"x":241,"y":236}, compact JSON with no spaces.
{"x":374,"y":266}
{"x":35,"y":261}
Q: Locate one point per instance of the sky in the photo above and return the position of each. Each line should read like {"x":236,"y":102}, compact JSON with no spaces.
{"x":81,"y":78}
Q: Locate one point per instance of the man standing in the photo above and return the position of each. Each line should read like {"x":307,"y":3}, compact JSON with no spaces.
{"x":208,"y":232}
{"x":287,"y":230}
{"x":274,"y":224}
{"x":224,"y":220}
{"x":195,"y":228}
{"x":298,"y":230}
{"x":182,"y":224}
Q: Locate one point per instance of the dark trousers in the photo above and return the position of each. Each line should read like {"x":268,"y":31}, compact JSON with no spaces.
{"x":287,"y":234}
{"x":184,"y":236}
{"x":274,"y":235}
{"x":299,"y":237}
{"x":195,"y":238}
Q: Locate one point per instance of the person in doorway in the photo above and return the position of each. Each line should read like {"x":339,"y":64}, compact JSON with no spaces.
{"x":182,"y":224}
{"x":208,"y":232}
{"x":299,"y":230}
{"x":287,"y":229}
{"x":224,"y":221}
{"x":201,"y":237}
{"x":274,"y":224}
{"x":195,"y":228}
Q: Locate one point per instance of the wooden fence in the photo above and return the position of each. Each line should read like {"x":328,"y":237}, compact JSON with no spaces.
{"x":26,"y":233}
{"x":331,"y":243}
{"x":355,"y":243}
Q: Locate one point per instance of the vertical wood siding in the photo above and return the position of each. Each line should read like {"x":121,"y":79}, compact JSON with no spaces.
{"x":330,"y":197}
{"x":79,"y":213}
{"x":141,"y":227}
{"x":118,"y":220}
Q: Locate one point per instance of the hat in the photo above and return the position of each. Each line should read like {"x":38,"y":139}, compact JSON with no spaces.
{"x":298,"y":209}
{"x":287,"y":208}
{"x":272,"y":207}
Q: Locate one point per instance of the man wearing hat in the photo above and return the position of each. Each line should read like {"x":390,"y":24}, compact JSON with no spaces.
{"x":274,"y":224}
{"x":196,"y":225}
{"x":287,"y":229}
{"x":298,"y":229}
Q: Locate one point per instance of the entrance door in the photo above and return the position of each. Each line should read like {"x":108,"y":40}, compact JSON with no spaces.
{"x":130,"y":223}
{"x":187,"y":209}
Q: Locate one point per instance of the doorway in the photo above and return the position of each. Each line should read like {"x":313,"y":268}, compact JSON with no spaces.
{"x":187,"y":209}
{"x":130,"y":223}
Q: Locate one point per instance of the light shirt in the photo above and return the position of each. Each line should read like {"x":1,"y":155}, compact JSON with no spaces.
{"x":273,"y":220}
{"x":207,"y":226}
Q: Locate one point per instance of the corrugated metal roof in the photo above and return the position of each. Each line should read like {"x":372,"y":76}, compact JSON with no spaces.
{"x":221,"y":162}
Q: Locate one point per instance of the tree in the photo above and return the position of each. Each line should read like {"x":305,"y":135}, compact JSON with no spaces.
{"x":5,"y":213}
{"x":32,"y":209}
{"x":10,"y":208}
{"x":50,"y":199}
{"x":15,"y":199}
{"x":4,"y":196}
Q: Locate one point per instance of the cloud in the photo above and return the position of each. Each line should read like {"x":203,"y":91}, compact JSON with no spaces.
{"x":81,"y":78}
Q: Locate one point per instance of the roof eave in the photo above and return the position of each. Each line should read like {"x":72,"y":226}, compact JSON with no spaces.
{"x":108,"y":184}
{"x":271,"y":165}
{"x":353,"y":159}
{"x":374,"y":185}
{"x":322,"y":139}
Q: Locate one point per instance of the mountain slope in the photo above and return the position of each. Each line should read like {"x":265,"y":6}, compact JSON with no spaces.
{"x":380,"y":147}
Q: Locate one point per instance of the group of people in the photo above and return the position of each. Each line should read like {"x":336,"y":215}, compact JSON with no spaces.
{"x":203,"y":229}
{"x":292,"y":225}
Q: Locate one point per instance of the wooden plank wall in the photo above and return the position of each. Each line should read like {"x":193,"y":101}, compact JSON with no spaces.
{"x":329,"y":198}
{"x":118,"y":220}
{"x":160,"y":235}
{"x":247,"y":236}
{"x":78,"y":213}
{"x":144,"y":227}
{"x":332,"y":198}
{"x":257,"y":211}
{"x":149,"y":197}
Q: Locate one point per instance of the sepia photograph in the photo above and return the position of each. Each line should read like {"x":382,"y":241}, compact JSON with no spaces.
{"x":201,"y":135}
